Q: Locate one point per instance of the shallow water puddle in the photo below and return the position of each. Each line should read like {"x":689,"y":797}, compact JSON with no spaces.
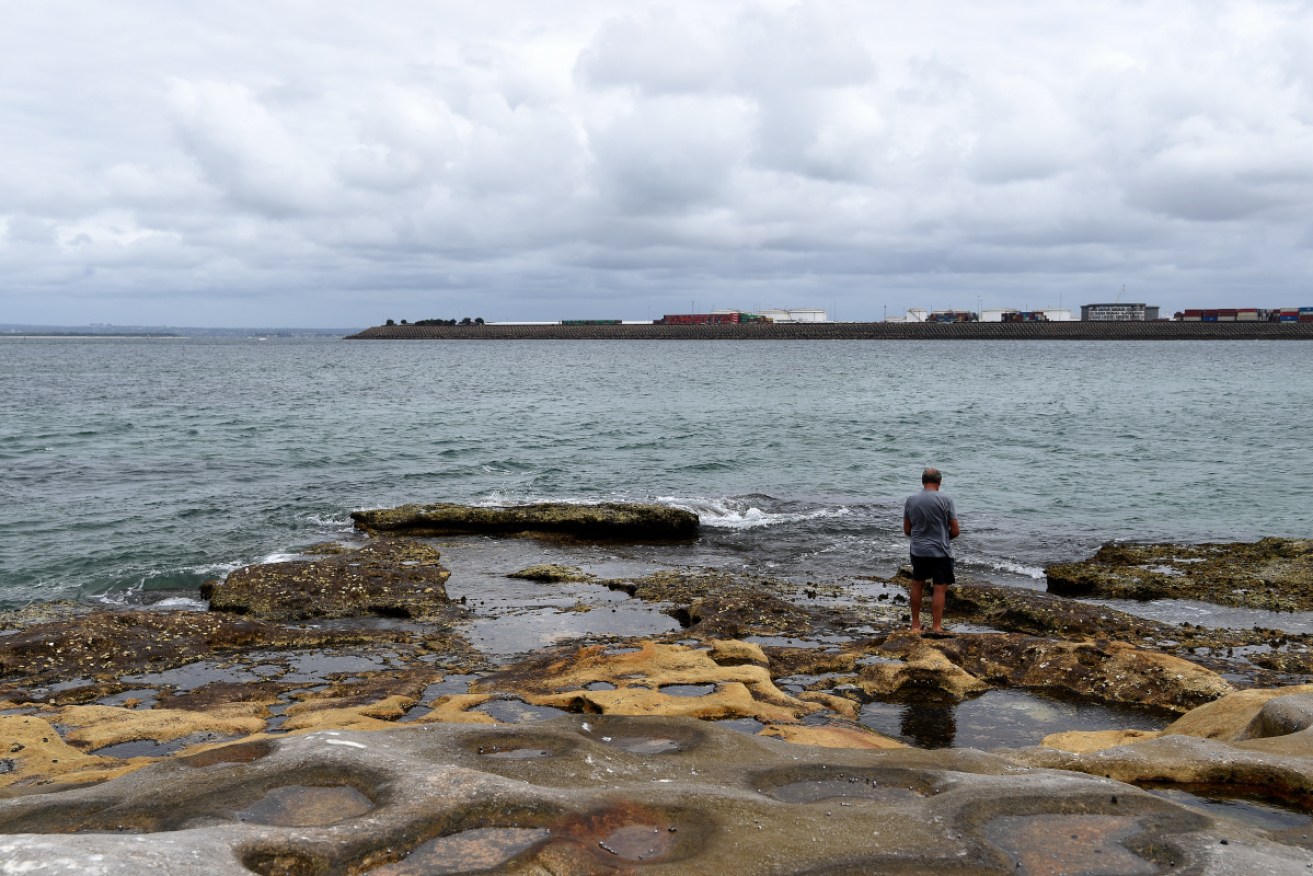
{"x":638,"y":842}
{"x":306,"y":806}
{"x":688,"y":690}
{"x":1262,"y":814}
{"x":850,"y":788}
{"x":472,"y":851}
{"x":1000,"y":719}
{"x":153,"y":748}
{"x":1069,"y":845}
{"x":1206,"y":614}
{"x":518,"y":711}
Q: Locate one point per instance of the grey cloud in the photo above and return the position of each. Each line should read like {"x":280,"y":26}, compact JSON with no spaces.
{"x":511,"y":154}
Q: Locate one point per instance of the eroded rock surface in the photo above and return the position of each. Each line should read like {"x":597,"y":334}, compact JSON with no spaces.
{"x":389,"y":578}
{"x":1274,"y":573}
{"x":606,"y":521}
{"x":599,"y":795}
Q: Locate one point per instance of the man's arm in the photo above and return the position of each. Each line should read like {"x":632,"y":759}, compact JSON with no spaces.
{"x":953,"y":529}
{"x":907,"y":525}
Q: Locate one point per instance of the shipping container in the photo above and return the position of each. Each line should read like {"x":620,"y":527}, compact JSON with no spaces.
{"x":1193,"y":312}
{"x":1247,"y":316}
{"x":1304,"y":310}
{"x":1191,"y":319}
{"x":1306,"y":317}
{"x":1207,"y":318}
{"x":1289,"y":317}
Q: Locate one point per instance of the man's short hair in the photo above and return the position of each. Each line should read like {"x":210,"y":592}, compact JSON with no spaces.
{"x":931,"y":476}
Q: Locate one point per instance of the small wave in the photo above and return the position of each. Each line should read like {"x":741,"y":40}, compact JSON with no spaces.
{"x":337,"y":523}
{"x":276,"y":557}
{"x":1035,"y":572}
{"x":183,"y":603}
{"x":740,"y":514}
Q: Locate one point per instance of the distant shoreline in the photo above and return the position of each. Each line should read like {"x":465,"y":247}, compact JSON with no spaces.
{"x":83,"y":335}
{"x":890,"y":331}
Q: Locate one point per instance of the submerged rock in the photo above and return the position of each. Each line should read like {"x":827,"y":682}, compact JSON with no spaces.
{"x":551,"y":573}
{"x":1274,"y":573}
{"x":389,"y":578}
{"x":603,"y":522}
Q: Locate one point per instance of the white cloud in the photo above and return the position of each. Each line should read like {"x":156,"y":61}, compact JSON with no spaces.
{"x":537,"y":160}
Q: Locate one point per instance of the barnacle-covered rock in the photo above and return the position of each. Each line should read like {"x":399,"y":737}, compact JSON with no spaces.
{"x":389,"y":578}
{"x":637,"y":521}
{"x":1274,"y":573}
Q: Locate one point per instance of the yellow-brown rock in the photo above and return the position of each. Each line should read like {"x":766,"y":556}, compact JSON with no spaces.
{"x":95,"y":727}
{"x":570,"y":679}
{"x":36,"y":752}
{"x":1082,"y":741}
{"x":923,"y":668}
{"x":832,"y":736}
{"x":337,"y":714}
{"x":1231,"y":717}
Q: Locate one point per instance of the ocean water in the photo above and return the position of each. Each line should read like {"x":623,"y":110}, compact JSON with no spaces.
{"x":134,"y":469}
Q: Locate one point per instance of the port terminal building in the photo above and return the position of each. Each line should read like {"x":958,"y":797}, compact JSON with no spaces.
{"x":1118,"y":312}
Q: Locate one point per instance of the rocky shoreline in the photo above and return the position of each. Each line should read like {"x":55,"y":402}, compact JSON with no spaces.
{"x":337,"y":714}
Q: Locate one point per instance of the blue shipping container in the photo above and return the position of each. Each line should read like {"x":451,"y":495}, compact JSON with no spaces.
{"x":1209,"y":319}
{"x":1291,"y":318}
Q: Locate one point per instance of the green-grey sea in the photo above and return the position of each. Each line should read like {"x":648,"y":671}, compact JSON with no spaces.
{"x":134,"y":469}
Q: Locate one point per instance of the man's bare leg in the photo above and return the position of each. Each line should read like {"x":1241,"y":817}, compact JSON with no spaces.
{"x":917,"y":587}
{"x":937,"y":600}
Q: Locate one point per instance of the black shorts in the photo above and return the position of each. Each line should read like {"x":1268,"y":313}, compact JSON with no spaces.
{"x":937,"y":570}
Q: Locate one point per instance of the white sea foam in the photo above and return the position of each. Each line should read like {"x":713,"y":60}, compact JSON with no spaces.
{"x":1035,"y":572}
{"x":337,"y":523}
{"x":736,"y":514}
{"x":182,"y":603}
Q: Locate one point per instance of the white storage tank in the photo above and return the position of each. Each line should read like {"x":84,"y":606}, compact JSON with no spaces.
{"x":796,"y":314}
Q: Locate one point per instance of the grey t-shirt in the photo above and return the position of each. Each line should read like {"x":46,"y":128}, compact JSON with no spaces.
{"x":931,"y":513}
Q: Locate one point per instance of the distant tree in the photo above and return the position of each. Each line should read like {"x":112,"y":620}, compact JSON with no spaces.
{"x":478,"y":320}
{"x":467,"y":321}
{"x":403,"y":322}
{"x":392,"y":322}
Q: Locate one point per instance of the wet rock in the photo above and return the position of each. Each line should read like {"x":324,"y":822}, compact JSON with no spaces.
{"x":604,"y":522}
{"x":106,"y":645}
{"x":439,"y":799}
{"x":1014,"y":609}
{"x":1237,"y":716}
{"x":1274,"y":573}
{"x":725,"y":606}
{"x":922,"y":668}
{"x":391,"y":578}
{"x":1112,"y":672}
{"x":552,"y":573}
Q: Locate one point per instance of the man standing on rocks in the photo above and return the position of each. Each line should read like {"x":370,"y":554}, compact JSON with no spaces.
{"x":930,"y":519}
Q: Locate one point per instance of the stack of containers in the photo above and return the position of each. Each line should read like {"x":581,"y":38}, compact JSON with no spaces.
{"x":1247,"y":314}
{"x":1192,"y":316}
{"x":1289,"y":314}
{"x":1306,"y":314}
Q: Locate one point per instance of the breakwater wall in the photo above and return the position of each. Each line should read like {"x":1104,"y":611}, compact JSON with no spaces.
{"x":861,"y":331}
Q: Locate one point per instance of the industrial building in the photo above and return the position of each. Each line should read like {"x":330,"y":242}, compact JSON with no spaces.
{"x":1118,"y":312}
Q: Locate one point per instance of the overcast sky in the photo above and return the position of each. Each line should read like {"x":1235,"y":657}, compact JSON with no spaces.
{"x":325,"y":163}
